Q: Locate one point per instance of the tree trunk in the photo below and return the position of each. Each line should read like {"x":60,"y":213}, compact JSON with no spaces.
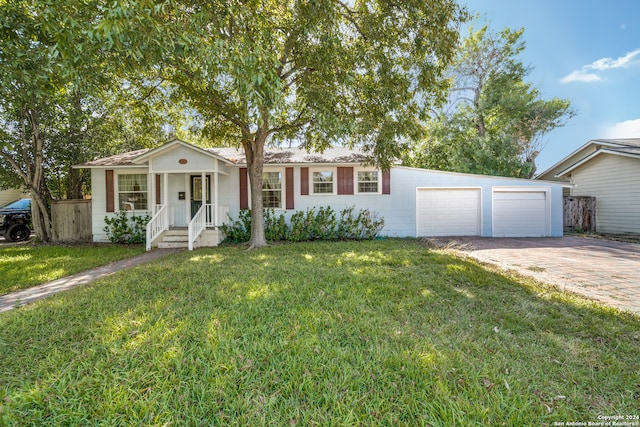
{"x":482,"y":130}
{"x":531,"y":159}
{"x":254,"y":152}
{"x":40,"y":218}
{"x":75,"y":179}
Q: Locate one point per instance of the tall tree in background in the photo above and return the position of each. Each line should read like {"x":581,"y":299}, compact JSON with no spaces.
{"x":29,"y":88}
{"x":54,"y":115}
{"x":319,"y":72}
{"x":495,"y":122}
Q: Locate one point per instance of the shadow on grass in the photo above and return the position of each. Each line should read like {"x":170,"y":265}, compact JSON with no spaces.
{"x":27,"y":265}
{"x":327,"y":333}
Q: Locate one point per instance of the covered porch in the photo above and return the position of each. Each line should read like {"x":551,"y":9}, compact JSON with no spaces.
{"x":188,"y":189}
{"x":189,"y":205}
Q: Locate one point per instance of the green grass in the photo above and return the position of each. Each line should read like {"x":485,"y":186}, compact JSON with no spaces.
{"x":24,"y":266}
{"x":331,"y":334}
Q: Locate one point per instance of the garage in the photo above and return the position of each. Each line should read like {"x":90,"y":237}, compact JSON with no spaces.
{"x":520,"y":212}
{"x":448,"y":212}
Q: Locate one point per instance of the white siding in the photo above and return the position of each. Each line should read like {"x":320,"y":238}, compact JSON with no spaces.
{"x":398,"y":208}
{"x":7,"y":196}
{"x":99,"y":200}
{"x":615,"y":183}
{"x":170,"y":161}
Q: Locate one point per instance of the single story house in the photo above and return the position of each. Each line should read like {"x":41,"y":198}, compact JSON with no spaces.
{"x":609,"y":170}
{"x":172,"y":182}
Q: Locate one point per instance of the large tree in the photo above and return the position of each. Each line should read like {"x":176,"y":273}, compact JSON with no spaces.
{"x":56,"y":109}
{"x":495,"y":121}
{"x":317,"y":72}
{"x":29,"y":86}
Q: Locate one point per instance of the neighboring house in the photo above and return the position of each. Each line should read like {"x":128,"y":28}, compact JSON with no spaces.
{"x":10,"y":195}
{"x":609,"y":170}
{"x":169,"y":183}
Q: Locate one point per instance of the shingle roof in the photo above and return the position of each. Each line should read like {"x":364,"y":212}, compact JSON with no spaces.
{"x":125,"y":159}
{"x":295,"y":155}
{"x":621,"y":145}
{"x":236,"y":156}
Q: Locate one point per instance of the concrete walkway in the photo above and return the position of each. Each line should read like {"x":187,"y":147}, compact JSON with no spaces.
{"x":602,"y":270}
{"x":26,"y":296}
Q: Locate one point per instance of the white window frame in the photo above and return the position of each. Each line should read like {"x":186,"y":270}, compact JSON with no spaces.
{"x":356,"y":180}
{"x":120,"y":204}
{"x":283,"y":187}
{"x":333,"y":170}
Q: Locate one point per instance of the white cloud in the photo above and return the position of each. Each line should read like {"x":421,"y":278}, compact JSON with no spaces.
{"x":580,"y":76}
{"x":586,"y":74}
{"x":608,"y":63}
{"x":626,"y":129}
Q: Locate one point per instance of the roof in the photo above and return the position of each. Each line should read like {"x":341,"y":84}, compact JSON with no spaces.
{"x":623,"y":146}
{"x":236,"y":156}
{"x":295,"y":155}
{"x":125,"y":159}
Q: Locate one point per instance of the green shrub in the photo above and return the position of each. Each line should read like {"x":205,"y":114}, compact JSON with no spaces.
{"x":312,"y":224}
{"x":239,"y":230}
{"x":275,"y":227}
{"x":122,"y":228}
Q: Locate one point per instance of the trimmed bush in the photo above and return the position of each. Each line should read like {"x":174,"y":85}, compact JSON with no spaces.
{"x":313,"y":224}
{"x":122,"y":228}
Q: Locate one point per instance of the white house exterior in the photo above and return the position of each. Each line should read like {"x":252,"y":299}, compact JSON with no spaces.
{"x":168,"y":183}
{"x":609,"y":170}
{"x":10,"y":195}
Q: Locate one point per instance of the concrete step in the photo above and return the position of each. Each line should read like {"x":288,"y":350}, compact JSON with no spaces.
{"x":175,"y":238}
{"x":172,"y":245}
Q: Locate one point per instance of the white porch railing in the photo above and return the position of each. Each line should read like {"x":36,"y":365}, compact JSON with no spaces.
{"x":197,"y":225}
{"x":204,"y":218}
{"x":158,"y":223}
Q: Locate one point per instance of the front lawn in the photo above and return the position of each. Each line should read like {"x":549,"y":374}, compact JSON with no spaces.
{"x":329,"y":334}
{"x":24,"y":266}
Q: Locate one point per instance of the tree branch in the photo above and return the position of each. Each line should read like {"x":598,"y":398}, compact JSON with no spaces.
{"x":349,"y":16}
{"x":296,"y":123}
{"x":16,"y":166}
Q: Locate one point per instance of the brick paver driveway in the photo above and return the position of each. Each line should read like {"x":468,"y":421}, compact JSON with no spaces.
{"x":603,"y":270}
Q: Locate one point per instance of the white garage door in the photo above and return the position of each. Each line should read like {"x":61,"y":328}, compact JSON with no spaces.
{"x":519,"y":213}
{"x":448,"y":212}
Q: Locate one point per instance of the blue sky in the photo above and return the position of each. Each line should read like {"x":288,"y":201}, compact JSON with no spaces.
{"x":586,"y":51}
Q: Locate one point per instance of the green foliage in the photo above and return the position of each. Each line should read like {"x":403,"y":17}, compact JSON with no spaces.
{"x":495,"y":121}
{"x":275,"y":226}
{"x":312,"y":224}
{"x":323,"y":72}
{"x":238,"y":230}
{"x":65,"y":101}
{"x":122,"y":228}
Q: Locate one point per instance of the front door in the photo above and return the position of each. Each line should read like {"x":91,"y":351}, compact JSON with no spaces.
{"x":196,"y":192}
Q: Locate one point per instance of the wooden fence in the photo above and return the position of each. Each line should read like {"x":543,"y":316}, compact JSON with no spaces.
{"x":71,"y":220}
{"x":579,"y":213}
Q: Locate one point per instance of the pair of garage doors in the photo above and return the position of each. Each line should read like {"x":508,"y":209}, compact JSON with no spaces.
{"x":515,"y":212}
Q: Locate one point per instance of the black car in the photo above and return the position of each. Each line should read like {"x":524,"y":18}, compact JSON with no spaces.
{"x":15,"y":220}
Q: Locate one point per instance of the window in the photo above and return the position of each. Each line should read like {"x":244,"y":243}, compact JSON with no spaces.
{"x":272,"y":189}
{"x":132,"y":191}
{"x":368,"y":182}
{"x":322,"y":182}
